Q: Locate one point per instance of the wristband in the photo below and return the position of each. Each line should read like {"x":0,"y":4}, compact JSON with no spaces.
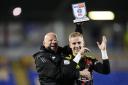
{"x":77,"y":58}
{"x":104,"y":54}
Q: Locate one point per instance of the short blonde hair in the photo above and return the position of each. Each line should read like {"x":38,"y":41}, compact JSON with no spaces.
{"x":75,"y":34}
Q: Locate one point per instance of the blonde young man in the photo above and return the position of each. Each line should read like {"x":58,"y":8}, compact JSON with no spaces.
{"x":84,"y":59}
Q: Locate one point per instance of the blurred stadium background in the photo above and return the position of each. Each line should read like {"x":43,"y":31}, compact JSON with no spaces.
{"x":21,"y":36}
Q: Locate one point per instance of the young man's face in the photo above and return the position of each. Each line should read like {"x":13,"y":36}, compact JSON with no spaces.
{"x":50,"y":42}
{"x":76,"y":43}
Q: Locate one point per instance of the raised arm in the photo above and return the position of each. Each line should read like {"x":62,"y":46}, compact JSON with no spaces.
{"x":103,"y":48}
{"x":105,"y":66}
{"x":79,"y":28}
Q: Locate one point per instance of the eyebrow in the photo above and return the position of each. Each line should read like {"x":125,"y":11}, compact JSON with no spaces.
{"x":76,"y":42}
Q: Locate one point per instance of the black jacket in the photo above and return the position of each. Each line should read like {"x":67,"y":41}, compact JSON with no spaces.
{"x":48,"y":66}
{"x":69,"y":72}
{"x":71,"y":69}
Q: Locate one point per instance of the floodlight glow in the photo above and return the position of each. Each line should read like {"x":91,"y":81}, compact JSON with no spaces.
{"x":101,"y":15}
{"x":17,"y":11}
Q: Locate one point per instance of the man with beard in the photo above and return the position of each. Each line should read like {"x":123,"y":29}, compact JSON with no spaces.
{"x":47,"y":60}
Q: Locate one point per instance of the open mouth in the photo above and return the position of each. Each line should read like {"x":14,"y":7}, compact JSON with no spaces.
{"x":78,"y":48}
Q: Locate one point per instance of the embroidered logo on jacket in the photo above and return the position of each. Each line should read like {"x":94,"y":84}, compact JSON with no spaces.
{"x":66,"y":62}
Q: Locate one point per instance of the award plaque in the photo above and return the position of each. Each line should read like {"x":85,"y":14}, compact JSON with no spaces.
{"x":79,"y":11}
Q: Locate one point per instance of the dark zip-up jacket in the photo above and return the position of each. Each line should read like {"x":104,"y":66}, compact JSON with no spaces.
{"x":48,"y":66}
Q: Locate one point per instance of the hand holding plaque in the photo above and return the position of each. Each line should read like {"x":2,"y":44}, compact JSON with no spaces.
{"x":79,"y":11}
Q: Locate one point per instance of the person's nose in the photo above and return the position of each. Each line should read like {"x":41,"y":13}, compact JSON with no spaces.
{"x":77,"y":45}
{"x":54,"y":41}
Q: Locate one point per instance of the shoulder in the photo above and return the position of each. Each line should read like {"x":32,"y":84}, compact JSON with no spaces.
{"x":36,"y":54}
{"x":60,"y":49}
{"x":39,"y":53}
{"x":66,"y":50}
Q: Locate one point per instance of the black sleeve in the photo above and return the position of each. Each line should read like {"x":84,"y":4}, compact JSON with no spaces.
{"x":79,"y":28}
{"x":45,"y":67}
{"x":103,"y":67}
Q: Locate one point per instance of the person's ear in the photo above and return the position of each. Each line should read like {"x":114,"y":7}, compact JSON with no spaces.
{"x":43,"y":43}
{"x":69,"y":45}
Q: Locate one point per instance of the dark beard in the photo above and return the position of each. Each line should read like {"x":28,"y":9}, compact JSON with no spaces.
{"x":49,"y":47}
